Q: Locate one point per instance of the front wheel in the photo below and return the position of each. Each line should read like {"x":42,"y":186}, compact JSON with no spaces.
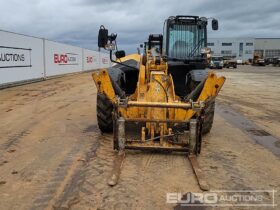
{"x":104,"y":113}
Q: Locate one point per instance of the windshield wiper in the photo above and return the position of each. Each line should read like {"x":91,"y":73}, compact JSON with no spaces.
{"x":196,"y":48}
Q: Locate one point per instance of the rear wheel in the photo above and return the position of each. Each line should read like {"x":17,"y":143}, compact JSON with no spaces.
{"x":104,"y":113}
{"x":209,"y":117}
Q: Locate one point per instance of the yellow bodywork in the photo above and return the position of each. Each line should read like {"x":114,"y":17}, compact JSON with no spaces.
{"x":154,"y":101}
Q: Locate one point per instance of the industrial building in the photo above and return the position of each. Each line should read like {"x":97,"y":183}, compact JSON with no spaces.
{"x":267,"y":47}
{"x":238,"y":48}
{"x":244,"y":48}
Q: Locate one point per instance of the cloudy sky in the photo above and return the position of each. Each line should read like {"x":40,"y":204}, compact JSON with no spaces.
{"x":77,"y":22}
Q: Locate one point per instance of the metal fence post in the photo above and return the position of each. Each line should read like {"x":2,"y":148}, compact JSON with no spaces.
{"x":44,"y":58}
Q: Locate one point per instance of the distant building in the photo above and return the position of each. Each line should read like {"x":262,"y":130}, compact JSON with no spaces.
{"x":238,"y":48}
{"x":244,"y":48}
{"x":267,"y":47}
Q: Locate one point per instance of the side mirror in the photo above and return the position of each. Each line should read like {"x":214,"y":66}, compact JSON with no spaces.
{"x":102,"y":37}
{"x":215,"y":24}
{"x":120,"y":54}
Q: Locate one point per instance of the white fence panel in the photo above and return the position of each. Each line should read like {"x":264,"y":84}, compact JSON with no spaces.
{"x":104,"y":60}
{"x":24,"y":58}
{"x":62,"y":58}
{"x":91,"y":59}
{"x":21,"y":58}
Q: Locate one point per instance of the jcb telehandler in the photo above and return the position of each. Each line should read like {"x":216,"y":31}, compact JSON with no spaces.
{"x":163,"y":99}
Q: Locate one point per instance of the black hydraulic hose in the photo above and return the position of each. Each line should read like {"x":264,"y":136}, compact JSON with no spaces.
{"x":118,"y":90}
{"x":196,"y":92}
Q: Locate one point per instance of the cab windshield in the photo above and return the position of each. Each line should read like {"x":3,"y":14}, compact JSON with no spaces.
{"x":185,"y":41}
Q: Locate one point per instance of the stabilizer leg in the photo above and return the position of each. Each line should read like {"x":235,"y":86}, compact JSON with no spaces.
{"x":115,"y":174}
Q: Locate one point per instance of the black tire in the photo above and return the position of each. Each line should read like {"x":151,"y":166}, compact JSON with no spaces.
{"x":209,"y":117}
{"x":104,"y":113}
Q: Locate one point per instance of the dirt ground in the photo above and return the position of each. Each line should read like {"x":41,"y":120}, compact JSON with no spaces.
{"x":254,"y":92}
{"x":53,"y":156}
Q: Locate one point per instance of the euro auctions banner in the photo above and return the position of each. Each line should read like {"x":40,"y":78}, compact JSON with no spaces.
{"x":24,"y":58}
{"x":91,"y":59}
{"x":66,"y":59}
{"x":104,"y":60}
{"x":14,"y":57}
{"x":21,"y":58}
{"x":62,"y":58}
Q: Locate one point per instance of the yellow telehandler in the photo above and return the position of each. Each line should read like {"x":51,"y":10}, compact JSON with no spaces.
{"x":163,"y":99}
{"x":258,"y":60}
